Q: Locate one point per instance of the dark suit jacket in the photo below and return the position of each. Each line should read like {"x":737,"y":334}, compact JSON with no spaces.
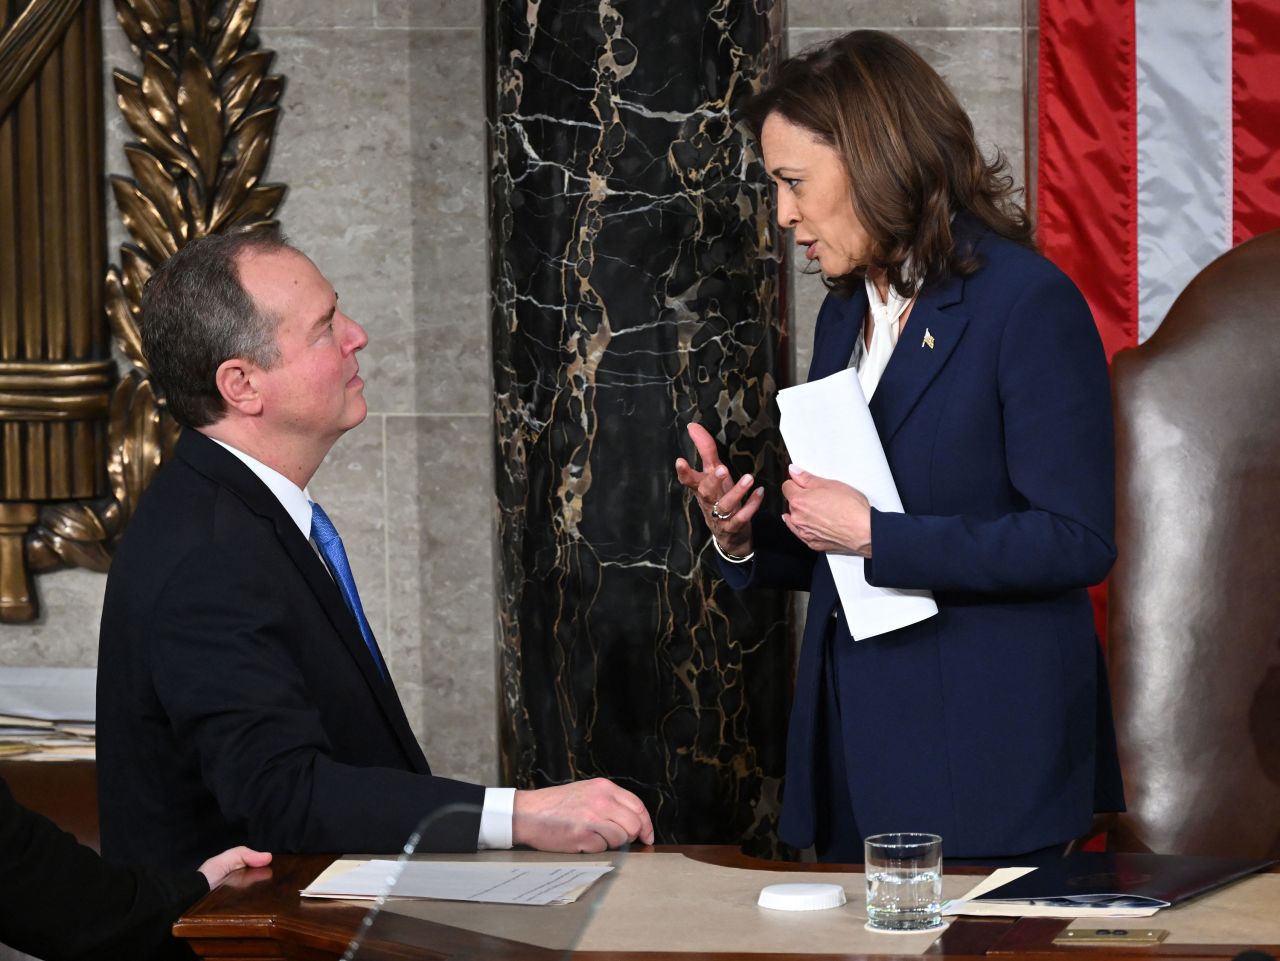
{"x":989,"y":724}
{"x":237,"y":702}
{"x":59,"y":900}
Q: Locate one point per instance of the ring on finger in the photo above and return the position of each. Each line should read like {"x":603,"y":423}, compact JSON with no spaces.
{"x":718,"y":514}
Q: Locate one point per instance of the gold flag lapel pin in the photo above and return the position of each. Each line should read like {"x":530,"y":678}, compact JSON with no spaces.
{"x":928,"y":339}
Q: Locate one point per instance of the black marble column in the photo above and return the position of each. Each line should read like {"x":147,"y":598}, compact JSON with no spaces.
{"x":633,"y":291}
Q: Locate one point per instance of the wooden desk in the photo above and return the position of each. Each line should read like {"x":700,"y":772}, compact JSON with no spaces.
{"x":259,"y":915}
{"x":66,"y":792}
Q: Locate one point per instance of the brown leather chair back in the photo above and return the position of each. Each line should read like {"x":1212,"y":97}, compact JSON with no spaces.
{"x":1194,"y":625}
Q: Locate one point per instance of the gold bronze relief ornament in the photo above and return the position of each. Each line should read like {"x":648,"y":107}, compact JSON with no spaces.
{"x":77,"y":444}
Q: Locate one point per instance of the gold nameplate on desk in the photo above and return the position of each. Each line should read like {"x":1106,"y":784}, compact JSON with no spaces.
{"x":1111,"y":936}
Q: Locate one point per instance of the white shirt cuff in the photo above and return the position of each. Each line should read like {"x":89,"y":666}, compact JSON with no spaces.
{"x":495,"y":818}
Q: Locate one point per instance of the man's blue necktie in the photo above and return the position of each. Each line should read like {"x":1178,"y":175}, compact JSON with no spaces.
{"x":326,"y":537}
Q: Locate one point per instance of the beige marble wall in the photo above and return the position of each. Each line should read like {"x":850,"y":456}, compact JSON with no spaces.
{"x":382,"y":148}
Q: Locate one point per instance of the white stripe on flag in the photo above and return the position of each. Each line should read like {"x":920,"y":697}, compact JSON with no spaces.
{"x":1184,"y":147}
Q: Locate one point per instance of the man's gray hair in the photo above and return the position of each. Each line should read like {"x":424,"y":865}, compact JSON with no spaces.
{"x":196,"y":314}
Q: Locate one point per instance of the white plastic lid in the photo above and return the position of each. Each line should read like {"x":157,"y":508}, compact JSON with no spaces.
{"x":801,"y":897}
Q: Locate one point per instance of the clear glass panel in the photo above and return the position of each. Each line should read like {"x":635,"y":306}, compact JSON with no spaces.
{"x":400,"y":921}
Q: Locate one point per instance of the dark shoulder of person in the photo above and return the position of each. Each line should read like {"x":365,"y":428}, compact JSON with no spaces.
{"x":60,"y":901}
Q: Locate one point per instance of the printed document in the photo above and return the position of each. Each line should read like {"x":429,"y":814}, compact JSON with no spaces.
{"x":493,"y":882}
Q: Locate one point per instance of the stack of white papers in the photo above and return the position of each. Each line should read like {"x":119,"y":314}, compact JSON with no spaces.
{"x":46,"y":741}
{"x":491,"y":882}
{"x":46,"y":713}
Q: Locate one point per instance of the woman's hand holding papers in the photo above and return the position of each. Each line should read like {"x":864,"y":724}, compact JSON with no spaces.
{"x":827,"y":515}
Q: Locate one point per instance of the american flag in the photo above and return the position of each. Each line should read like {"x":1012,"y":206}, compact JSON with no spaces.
{"x":1159,"y":146}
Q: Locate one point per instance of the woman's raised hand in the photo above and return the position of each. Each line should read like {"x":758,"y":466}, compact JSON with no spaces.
{"x":727,"y":505}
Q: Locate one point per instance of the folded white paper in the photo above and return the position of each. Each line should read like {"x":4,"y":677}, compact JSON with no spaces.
{"x":830,"y":433}
{"x":492,"y":882}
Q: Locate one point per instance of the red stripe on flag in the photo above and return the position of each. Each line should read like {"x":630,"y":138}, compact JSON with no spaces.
{"x":1087,"y":200}
{"x":1255,"y":83}
{"x":1087,"y":197}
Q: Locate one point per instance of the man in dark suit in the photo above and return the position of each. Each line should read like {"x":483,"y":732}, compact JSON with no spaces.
{"x":47,"y":877}
{"x":242,"y":697}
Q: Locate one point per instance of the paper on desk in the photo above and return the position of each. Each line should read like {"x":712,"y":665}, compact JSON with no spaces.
{"x":851,"y":454}
{"x":493,"y":882}
{"x":1009,"y":909}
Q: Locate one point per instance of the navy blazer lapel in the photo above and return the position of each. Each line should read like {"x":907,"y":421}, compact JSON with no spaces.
{"x":224,"y":468}
{"x":935,"y":326}
{"x":836,"y":333}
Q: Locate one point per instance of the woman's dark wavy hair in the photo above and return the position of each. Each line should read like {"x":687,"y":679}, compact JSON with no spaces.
{"x":909,"y":153}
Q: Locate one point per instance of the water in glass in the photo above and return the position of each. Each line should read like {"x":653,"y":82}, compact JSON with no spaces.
{"x":900,"y":900}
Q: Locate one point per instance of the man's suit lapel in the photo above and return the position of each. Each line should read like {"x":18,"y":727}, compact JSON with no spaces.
{"x":932,"y":332}
{"x":224,"y":468}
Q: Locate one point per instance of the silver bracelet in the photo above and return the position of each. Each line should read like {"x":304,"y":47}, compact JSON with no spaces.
{"x":731,"y":558}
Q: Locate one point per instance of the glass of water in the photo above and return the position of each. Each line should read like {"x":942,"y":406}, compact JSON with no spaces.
{"x":904,"y":882}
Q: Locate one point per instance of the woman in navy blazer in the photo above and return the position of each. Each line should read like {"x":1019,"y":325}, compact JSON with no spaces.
{"x":990,"y":723}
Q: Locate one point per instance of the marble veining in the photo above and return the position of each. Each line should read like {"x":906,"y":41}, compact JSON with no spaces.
{"x":633,"y":291}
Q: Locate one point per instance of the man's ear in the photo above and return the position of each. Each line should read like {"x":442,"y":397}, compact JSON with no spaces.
{"x":236,"y":383}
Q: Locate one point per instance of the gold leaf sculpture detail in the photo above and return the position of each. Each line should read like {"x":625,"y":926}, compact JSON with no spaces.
{"x":203,"y":115}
